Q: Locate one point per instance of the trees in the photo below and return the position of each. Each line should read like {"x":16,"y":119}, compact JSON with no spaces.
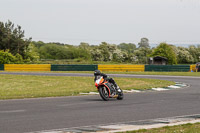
{"x":12,"y":41}
{"x":16,"y":49}
{"x":12,"y":38}
{"x":84,"y":51}
{"x":54,"y":51}
{"x":195,"y":52}
{"x":103,"y":52}
{"x":108,"y":52}
{"x":127,"y":47}
{"x":142,"y":55}
{"x":183,"y":55}
{"x":165,"y":50}
{"x":144,"y":43}
{"x":96,"y":54}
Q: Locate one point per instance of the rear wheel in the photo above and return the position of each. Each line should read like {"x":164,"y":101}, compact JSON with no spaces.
{"x":104,"y":93}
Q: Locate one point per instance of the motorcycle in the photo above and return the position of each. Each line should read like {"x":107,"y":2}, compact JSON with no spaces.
{"x":107,"y":90}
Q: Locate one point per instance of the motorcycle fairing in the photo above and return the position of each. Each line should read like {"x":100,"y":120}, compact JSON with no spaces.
{"x":110,"y":88}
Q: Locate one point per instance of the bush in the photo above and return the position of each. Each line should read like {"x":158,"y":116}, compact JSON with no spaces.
{"x":19,"y":59}
{"x":6,"y":57}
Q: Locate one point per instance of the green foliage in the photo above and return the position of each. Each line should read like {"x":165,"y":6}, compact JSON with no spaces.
{"x":106,"y":51}
{"x":185,"y":128}
{"x":127,"y":47}
{"x":16,"y":49}
{"x":14,"y":45}
{"x":53,"y":51}
{"x":195,"y":52}
{"x":38,"y":44}
{"x":103,"y":52}
{"x":142,"y":55}
{"x":19,"y":59}
{"x":122,"y":53}
{"x":96,"y":54}
{"x":165,"y":50}
{"x":12,"y":38}
{"x":6,"y":57}
{"x":32,"y":53}
{"x":56,"y":51}
{"x":184,"y":56}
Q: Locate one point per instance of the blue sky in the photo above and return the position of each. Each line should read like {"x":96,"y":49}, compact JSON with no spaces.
{"x":113,"y":21}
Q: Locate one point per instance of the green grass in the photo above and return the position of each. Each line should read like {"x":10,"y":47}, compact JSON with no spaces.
{"x":25,"y":86}
{"x":159,"y":73}
{"x":186,"y":128}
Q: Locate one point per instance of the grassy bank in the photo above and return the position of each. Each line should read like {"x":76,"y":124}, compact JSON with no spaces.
{"x":23,"y":86}
{"x":186,"y":128}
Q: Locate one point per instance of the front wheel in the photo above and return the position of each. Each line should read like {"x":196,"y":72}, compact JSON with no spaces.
{"x":104,"y":93}
{"x":120,"y":95}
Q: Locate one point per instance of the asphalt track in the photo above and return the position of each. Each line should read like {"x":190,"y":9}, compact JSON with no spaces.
{"x":28,"y":115}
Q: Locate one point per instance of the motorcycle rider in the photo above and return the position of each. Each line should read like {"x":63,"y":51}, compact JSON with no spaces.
{"x":98,"y":73}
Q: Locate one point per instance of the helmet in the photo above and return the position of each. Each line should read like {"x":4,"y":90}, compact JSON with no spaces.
{"x":97,"y":72}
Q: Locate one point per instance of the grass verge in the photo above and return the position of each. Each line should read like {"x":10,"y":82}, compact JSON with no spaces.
{"x":160,"y":73}
{"x":26,"y":86}
{"x":186,"y":128}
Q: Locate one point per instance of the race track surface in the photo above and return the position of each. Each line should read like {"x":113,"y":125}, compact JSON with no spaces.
{"x":28,"y":115}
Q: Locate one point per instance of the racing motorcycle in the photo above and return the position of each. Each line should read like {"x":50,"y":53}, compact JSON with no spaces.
{"x":107,"y":90}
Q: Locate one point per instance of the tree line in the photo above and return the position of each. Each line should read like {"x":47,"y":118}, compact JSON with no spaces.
{"x":14,"y":48}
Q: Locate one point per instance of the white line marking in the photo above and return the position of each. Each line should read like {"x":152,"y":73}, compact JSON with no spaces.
{"x":12,"y":111}
{"x":129,"y":91}
{"x":159,"y":89}
{"x":122,"y":123}
{"x":174,"y":87}
{"x":90,"y":93}
{"x":125,"y":128}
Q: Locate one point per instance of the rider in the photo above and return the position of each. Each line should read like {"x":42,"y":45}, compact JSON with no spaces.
{"x":98,"y":73}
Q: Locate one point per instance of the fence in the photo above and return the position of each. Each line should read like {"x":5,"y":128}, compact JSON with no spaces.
{"x":168,"y":68}
{"x":74,"y":67}
{"x":1,"y":67}
{"x":121,"y":68}
{"x":193,"y":68}
{"x":27,"y":67}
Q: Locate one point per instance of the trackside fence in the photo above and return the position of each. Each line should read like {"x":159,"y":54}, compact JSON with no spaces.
{"x":27,"y":67}
{"x":119,"y":68}
{"x":1,"y":67}
{"x":168,"y":68}
{"x":122,"y":68}
{"x":74,"y":67}
{"x":193,"y":68}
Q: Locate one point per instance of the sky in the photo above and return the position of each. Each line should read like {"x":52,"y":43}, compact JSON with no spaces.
{"x":112,"y":21}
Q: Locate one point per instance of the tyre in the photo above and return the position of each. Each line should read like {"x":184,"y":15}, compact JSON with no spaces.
{"x":120,"y":96}
{"x":104,"y":93}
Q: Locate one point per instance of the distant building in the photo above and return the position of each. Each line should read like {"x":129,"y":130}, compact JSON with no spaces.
{"x":158,"y":60}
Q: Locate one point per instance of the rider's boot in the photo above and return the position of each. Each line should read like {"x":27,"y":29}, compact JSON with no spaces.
{"x":117,"y":88}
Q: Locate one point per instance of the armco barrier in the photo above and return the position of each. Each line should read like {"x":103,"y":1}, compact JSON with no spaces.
{"x":74,"y":67}
{"x":121,"y":68}
{"x":168,"y":68}
{"x":1,"y":67}
{"x":193,"y":68}
{"x":27,"y":67}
